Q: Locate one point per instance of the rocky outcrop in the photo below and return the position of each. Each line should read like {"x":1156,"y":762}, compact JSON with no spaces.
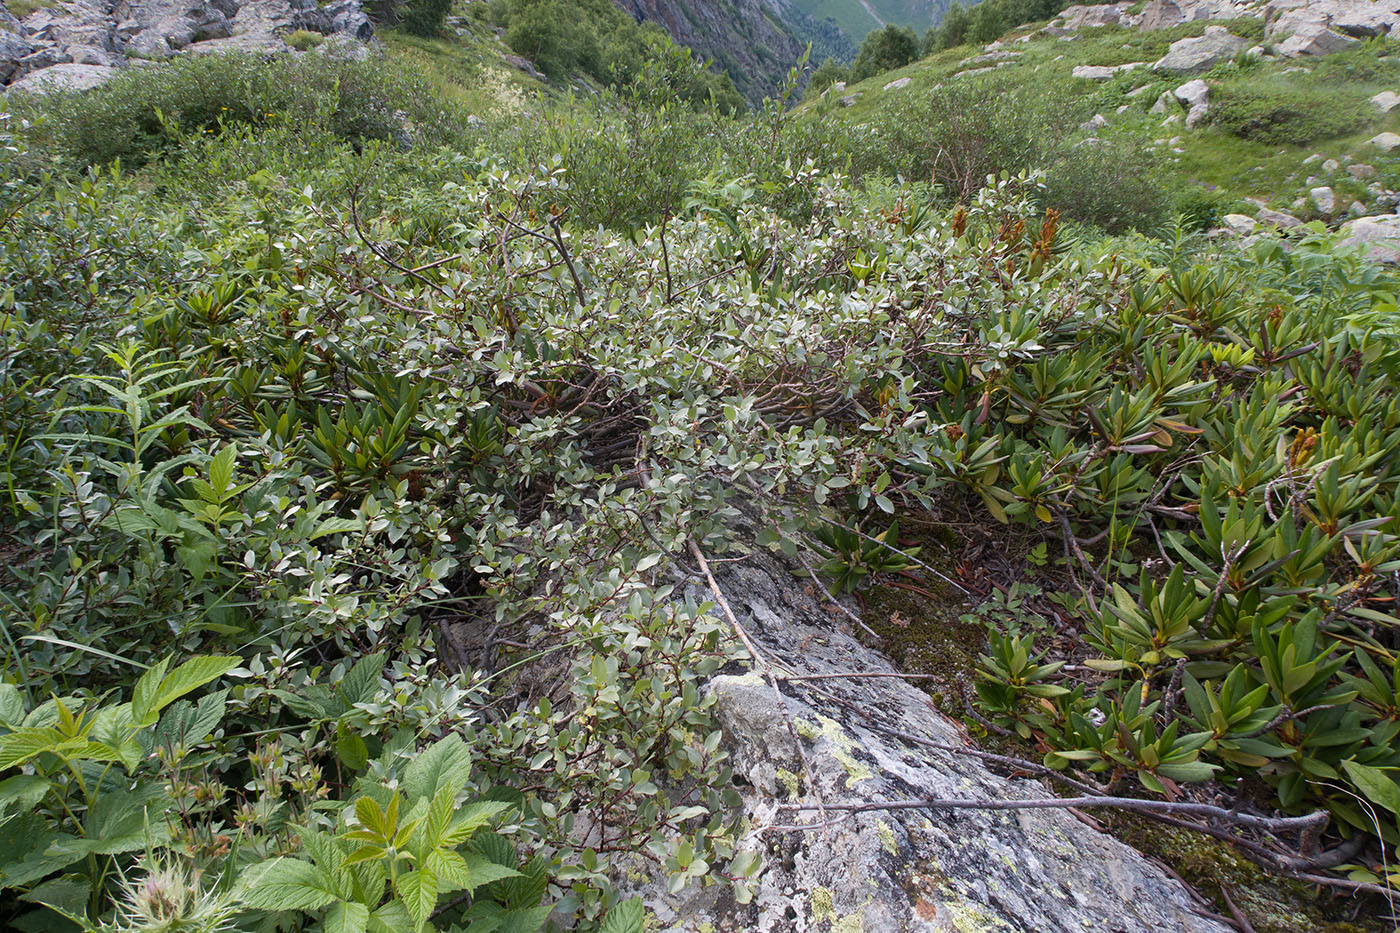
{"x":78,"y":44}
{"x":1297,"y":27}
{"x":871,"y":740}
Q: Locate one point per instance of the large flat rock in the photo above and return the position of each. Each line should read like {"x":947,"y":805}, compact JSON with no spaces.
{"x":903,"y":871}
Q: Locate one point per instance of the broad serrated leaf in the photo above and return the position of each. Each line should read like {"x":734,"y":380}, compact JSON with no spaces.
{"x":127,"y":821}
{"x":391,"y":918}
{"x":445,"y":763}
{"x":419,"y":891}
{"x":11,"y":705}
{"x":23,"y":791}
{"x":347,"y":917}
{"x":157,"y":690}
{"x":287,"y":884}
{"x":358,"y":685}
{"x":626,"y":917}
{"x":471,"y":818}
{"x":23,"y":744}
{"x":188,"y":724}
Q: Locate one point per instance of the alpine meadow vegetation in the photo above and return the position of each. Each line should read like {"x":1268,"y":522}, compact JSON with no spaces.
{"x":350,"y":446}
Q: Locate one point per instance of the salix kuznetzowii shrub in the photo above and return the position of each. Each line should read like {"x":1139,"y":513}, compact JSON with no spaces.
{"x":564,"y":448}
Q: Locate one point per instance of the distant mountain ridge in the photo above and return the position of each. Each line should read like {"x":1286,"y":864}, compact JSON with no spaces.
{"x":755,"y":41}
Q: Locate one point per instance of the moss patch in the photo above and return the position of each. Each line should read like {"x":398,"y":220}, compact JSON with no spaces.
{"x":1273,"y":904}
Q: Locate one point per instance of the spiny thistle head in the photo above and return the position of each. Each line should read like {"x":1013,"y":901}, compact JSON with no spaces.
{"x":169,"y":898}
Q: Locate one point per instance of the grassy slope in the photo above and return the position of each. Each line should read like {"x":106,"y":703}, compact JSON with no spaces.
{"x":1239,"y":168}
{"x":469,"y":68}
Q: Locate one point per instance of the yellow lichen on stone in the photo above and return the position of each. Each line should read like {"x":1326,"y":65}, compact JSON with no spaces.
{"x":887,"y":838}
{"x":848,"y":924}
{"x":831,"y":729}
{"x":822,"y":906}
{"x":791,"y":781}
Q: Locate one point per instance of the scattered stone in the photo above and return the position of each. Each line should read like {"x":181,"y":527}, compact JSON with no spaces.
{"x":1195,"y":96}
{"x":1239,"y":224}
{"x":898,"y":83}
{"x":1188,"y":56}
{"x":1092,"y":72}
{"x":1357,"y":209}
{"x":1097,"y":122}
{"x":1103,"y":72}
{"x":1331,"y":165}
{"x":1380,"y":235}
{"x":1361,"y":170}
{"x":849,"y":100}
{"x":1278,"y":219}
{"x":1163,"y":103}
{"x":1323,"y":199}
{"x":1385,"y":101}
{"x":1315,"y":157}
{"x":1385,"y":141}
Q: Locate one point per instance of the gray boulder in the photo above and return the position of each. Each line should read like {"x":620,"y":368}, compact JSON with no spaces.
{"x":64,"y":76}
{"x":39,"y":59}
{"x":13,"y":49}
{"x":91,"y":55}
{"x":1194,"y":95}
{"x":1380,"y":237}
{"x":1323,"y":198}
{"x":898,"y":871}
{"x":898,"y":83}
{"x":1102,"y":14}
{"x":1385,"y":101}
{"x":1161,"y":14}
{"x":1314,"y":39}
{"x":1188,"y":56}
{"x":151,"y":45}
{"x":1278,"y":219}
{"x":1385,"y":141}
{"x":1239,"y":224}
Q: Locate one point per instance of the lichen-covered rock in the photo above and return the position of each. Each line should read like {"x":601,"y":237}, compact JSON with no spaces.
{"x":902,"y":871}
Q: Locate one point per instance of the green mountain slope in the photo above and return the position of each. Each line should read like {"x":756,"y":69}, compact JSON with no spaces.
{"x":755,"y":41}
{"x":860,"y":17}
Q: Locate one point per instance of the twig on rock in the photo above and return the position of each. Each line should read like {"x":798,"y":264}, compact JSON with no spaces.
{"x":763,"y":663}
{"x":1267,"y":823}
